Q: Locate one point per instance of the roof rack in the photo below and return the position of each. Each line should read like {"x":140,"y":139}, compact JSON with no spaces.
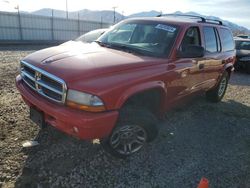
{"x":202,"y":19}
{"x":213,"y":21}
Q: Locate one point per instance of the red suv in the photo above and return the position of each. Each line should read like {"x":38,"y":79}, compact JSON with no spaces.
{"x":115,"y":88}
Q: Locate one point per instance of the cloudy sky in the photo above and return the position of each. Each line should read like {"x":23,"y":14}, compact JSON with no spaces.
{"x":237,"y":11}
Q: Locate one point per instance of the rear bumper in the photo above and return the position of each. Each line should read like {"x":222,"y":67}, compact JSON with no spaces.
{"x":242,"y":64}
{"x":80,"y":124}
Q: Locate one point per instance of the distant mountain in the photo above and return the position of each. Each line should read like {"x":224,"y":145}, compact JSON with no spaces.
{"x":85,"y":14}
{"x":108,"y":16}
{"x":236,"y":29}
{"x":151,"y":13}
{"x":48,"y":12}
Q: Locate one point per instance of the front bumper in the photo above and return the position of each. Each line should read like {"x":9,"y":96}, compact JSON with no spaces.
{"x":80,"y":124}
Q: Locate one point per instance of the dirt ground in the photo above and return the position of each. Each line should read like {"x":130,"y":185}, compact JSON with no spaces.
{"x":200,"y":139}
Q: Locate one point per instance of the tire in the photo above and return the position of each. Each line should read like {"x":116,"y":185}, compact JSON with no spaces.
{"x":248,"y":68}
{"x":135,"y":127}
{"x":237,"y":67}
{"x":217,"y":93}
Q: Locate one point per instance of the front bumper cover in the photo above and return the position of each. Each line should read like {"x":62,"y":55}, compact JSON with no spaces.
{"x":80,"y":124}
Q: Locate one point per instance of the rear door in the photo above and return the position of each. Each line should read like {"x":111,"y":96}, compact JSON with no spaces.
{"x":213,"y":55}
{"x":219,"y":47}
{"x":228,"y":46}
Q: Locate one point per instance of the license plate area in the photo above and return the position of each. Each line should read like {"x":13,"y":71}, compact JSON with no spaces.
{"x":37,"y":117}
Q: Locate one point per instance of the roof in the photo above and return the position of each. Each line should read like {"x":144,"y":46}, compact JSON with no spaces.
{"x":181,"y":21}
{"x":241,"y":39}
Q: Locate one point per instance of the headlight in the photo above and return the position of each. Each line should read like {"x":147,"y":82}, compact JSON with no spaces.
{"x":84,"y":101}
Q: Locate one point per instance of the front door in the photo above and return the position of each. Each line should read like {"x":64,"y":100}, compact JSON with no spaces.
{"x":188,"y":72}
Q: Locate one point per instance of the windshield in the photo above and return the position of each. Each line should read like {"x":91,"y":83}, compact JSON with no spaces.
{"x":243,"y":45}
{"x":151,"y":39}
{"x":91,"y":36}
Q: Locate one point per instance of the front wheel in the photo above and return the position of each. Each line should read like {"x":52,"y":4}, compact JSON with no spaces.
{"x":135,"y":127}
{"x":217,"y":93}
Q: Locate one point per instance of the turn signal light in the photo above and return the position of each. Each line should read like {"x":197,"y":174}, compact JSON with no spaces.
{"x":85,"y":107}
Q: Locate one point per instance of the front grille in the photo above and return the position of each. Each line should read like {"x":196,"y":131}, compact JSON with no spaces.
{"x":43,"y":82}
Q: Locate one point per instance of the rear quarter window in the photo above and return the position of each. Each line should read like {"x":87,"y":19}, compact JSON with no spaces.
{"x":227,"y":41}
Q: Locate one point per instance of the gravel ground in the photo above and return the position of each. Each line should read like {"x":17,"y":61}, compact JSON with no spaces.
{"x":199,"y":139}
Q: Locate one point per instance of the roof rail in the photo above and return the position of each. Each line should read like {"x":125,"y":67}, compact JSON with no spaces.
{"x":213,"y":21}
{"x":202,"y":19}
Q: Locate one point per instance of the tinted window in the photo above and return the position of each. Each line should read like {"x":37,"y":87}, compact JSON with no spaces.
{"x":243,"y":45}
{"x":192,"y":37}
{"x":243,"y":36}
{"x":210,"y":39}
{"x":146,"y":38}
{"x":226,"y":40}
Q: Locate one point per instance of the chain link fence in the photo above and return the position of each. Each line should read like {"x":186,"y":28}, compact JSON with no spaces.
{"x":27,"y":28}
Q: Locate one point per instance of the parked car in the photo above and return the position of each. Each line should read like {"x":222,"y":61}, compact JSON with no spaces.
{"x":242,"y":54}
{"x":91,"y":36}
{"x":88,"y":37}
{"x":116,"y":88}
{"x":243,"y":36}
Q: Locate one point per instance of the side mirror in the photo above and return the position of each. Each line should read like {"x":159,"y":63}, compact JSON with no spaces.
{"x":191,"y":51}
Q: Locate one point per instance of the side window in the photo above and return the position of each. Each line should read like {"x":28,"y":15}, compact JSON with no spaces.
{"x":210,"y":39}
{"x":192,"y":37}
{"x":226,"y":40}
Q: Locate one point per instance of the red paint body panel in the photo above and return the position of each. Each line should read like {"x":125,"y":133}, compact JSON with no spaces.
{"x":90,"y":125}
{"x":115,"y":75}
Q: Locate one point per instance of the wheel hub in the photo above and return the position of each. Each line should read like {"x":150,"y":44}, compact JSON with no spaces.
{"x":128,"y":139}
{"x":222,"y":86}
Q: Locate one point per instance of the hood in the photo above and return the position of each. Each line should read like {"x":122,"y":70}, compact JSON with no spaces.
{"x":76,"y":60}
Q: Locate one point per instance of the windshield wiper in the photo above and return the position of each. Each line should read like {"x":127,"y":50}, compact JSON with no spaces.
{"x":103,"y":44}
{"x":125,"y":48}
{"x":114,"y":46}
{"x":132,"y":49}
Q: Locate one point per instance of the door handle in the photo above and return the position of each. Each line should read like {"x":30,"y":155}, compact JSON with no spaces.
{"x":201,"y":66}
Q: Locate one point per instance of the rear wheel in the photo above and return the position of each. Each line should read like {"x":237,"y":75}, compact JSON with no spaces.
{"x":237,"y":66}
{"x":217,"y":93}
{"x":135,"y":127}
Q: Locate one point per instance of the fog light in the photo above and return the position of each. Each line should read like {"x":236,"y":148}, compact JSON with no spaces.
{"x":75,"y":129}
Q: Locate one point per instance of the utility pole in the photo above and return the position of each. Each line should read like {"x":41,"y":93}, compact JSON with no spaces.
{"x":19,"y":22}
{"x":78,"y":16}
{"x":67,"y":12}
{"x":52,"y":24}
{"x":114,"y":13}
{"x":19,"y":18}
{"x":101,"y":21}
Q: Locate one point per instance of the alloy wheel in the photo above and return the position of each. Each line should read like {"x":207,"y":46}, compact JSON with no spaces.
{"x":128,"y":139}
